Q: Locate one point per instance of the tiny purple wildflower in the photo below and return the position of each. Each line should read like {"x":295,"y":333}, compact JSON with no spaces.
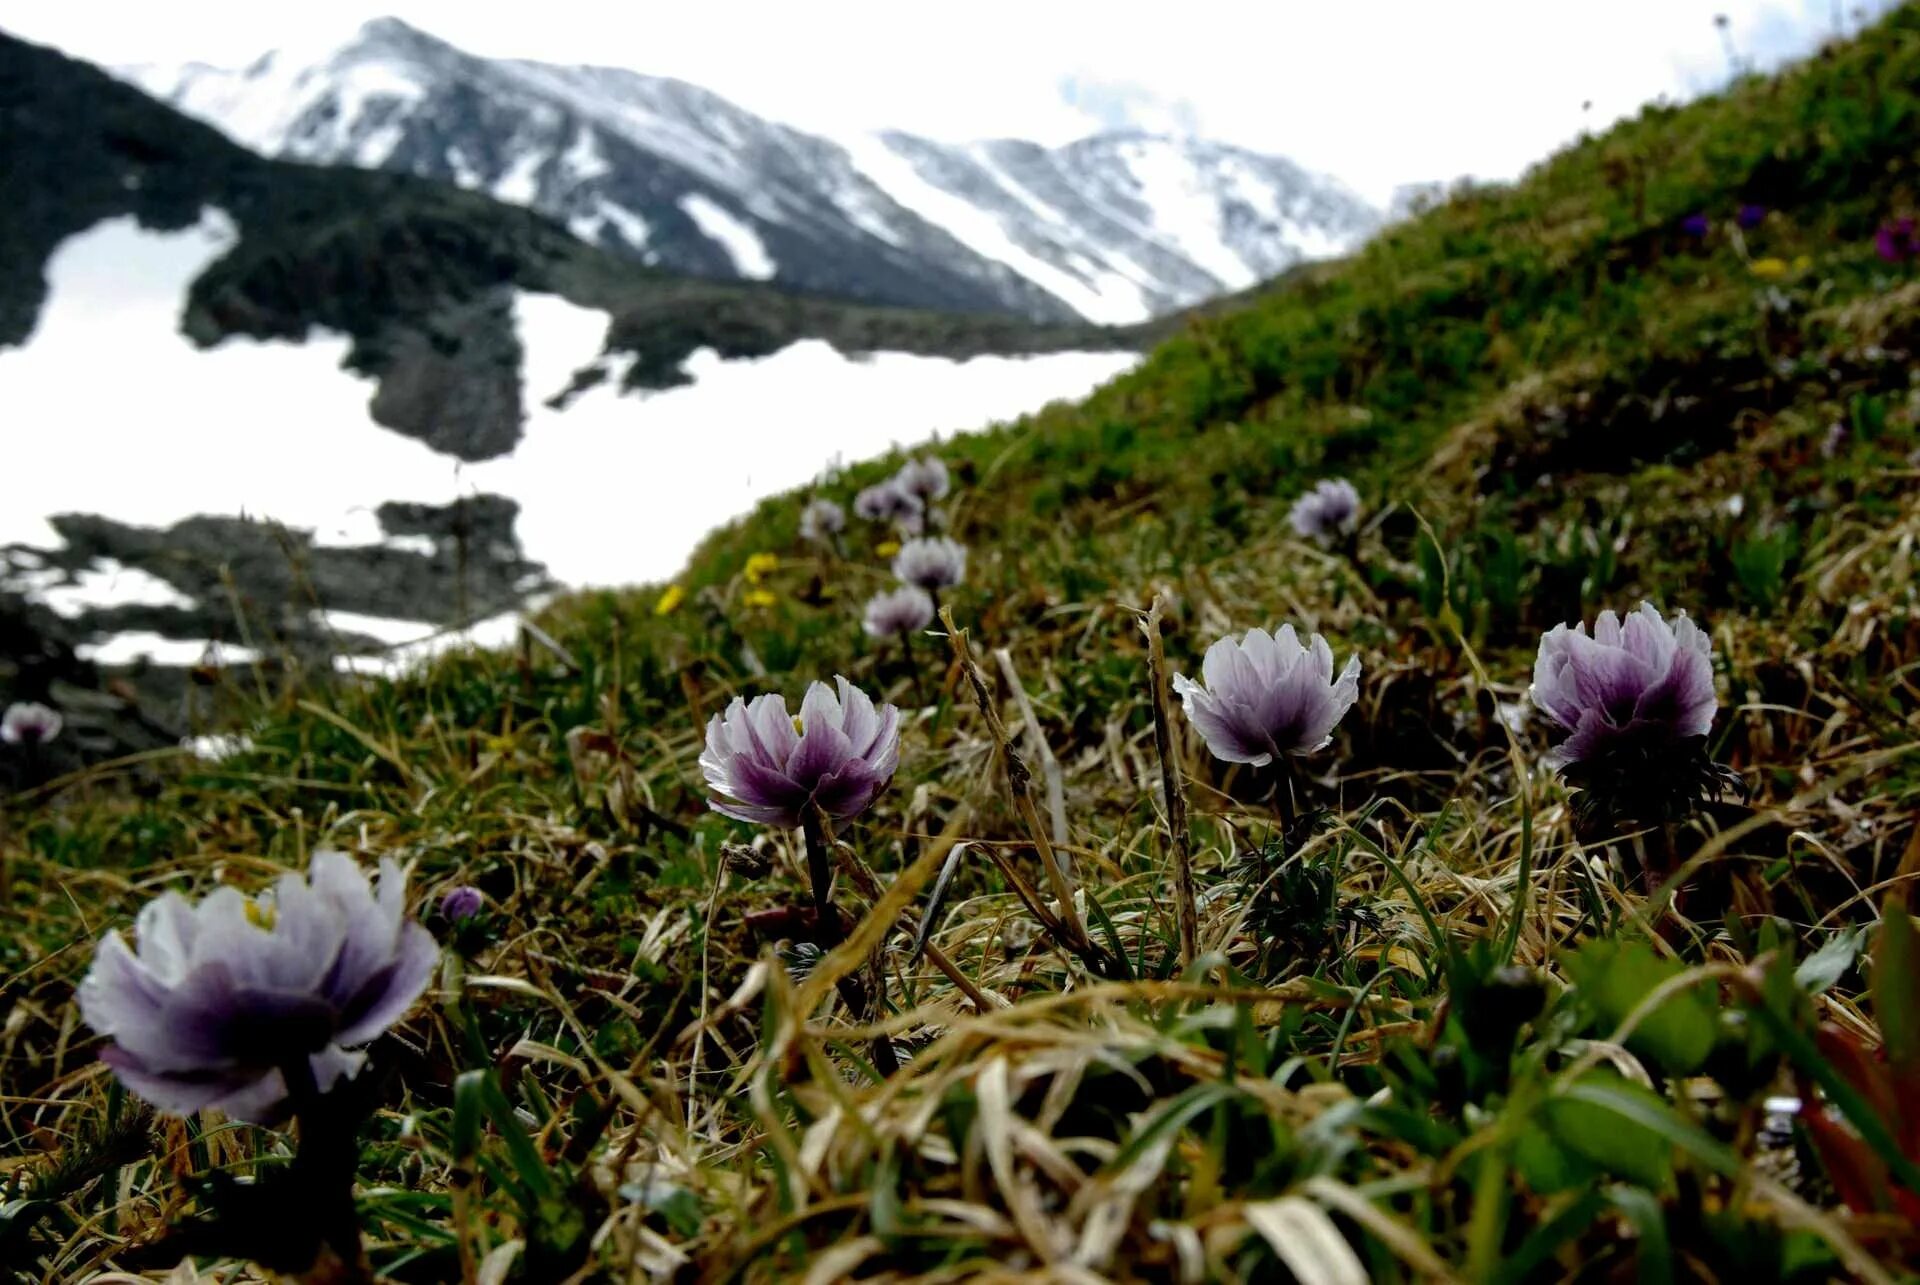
{"x":821,"y":520}
{"x":461,"y":902}
{"x":886,"y":502}
{"x":1328,"y":512}
{"x":1896,"y":242}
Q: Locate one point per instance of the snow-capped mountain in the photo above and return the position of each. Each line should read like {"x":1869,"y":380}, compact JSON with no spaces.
{"x":1113,"y":228}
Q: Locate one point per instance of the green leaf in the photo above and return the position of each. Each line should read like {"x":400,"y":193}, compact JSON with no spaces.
{"x":1545,"y":1239}
{"x":1547,"y":1166}
{"x":1896,"y":985}
{"x":1636,"y":1105}
{"x":1608,"y":1129}
{"x":1615,"y":977}
{"x":1826,"y":966}
{"x":1656,"y":1252}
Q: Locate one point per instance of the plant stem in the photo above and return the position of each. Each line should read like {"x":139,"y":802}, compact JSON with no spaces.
{"x":819,"y":866}
{"x":1283,"y":803}
{"x":830,"y":930}
{"x":913,"y":666}
{"x":326,"y":1158}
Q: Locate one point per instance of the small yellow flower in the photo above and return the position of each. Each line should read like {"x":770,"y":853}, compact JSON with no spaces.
{"x":759,"y":565}
{"x":887,"y":548}
{"x":1801,"y":262}
{"x":1769,"y":269}
{"x":759,"y":598}
{"x":670,"y":600}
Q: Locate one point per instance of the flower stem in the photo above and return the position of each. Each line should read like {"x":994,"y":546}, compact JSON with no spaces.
{"x":819,"y":867}
{"x":913,"y":666}
{"x":831,"y":930}
{"x":1283,"y":803}
{"x":326,"y":1159}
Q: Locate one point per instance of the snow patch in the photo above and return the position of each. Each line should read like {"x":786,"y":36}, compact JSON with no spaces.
{"x":737,"y":237}
{"x":138,"y":645}
{"x":632,"y":228}
{"x":521,"y":181}
{"x":109,"y":584}
{"x":615,"y":489}
{"x":981,"y":232}
{"x":583,"y":160}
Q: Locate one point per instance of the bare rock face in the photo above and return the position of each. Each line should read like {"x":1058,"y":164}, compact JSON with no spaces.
{"x":453,"y":381}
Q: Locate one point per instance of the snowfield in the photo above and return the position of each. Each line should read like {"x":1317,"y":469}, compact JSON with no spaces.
{"x":116,"y":413}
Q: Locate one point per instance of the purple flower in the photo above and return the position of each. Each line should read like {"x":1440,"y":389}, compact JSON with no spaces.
{"x":1695,"y":225}
{"x":1895,"y":241}
{"x":1750,"y":216}
{"x":886,"y":502}
{"x":906,"y":610}
{"x":220,"y":997}
{"x":766,"y":766}
{"x":821,"y":520}
{"x":1834,"y":441}
{"x":461,"y":902}
{"x":933,"y":564}
{"x":1266,"y":695}
{"x":30,"y":723}
{"x":1638,"y":686}
{"x":925,"y":479}
{"x":1328,"y":512}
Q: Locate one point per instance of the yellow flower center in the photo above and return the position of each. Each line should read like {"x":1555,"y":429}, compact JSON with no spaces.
{"x":261,"y":914}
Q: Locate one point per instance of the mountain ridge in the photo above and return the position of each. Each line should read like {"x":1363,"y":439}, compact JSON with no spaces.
{"x":1117,"y":227}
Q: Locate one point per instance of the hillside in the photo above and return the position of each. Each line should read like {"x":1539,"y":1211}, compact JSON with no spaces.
{"x":1430,"y":1016}
{"x":413,"y":271}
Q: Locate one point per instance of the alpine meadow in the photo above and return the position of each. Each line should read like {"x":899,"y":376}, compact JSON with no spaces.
{"x":1416,"y":780}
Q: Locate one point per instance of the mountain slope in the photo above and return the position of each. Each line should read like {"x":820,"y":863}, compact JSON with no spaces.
{"x":413,"y":271}
{"x":1114,"y":228}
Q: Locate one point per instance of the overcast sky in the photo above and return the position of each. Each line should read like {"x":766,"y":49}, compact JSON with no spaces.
{"x":1378,"y":92}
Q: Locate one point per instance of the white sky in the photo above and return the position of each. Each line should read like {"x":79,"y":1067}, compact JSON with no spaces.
{"x":1378,"y":92}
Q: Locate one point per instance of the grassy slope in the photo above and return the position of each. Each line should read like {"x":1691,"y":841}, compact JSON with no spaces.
{"x":1548,"y":395}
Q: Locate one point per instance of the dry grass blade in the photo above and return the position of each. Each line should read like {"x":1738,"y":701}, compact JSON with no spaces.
{"x":1305,"y":1239}
{"x":1179,"y":838}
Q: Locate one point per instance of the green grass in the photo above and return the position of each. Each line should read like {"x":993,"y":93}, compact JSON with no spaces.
{"x":1441,"y":1038}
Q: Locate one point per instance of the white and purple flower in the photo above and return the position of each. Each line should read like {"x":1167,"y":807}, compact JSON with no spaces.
{"x":1266,"y":695}
{"x":925,"y":479}
{"x":931,"y":564}
{"x":220,"y":1000}
{"x":1327,"y":513}
{"x":822,"y":520}
{"x":906,"y":610}
{"x":767,"y":766}
{"x":30,"y":723}
{"x":886,"y":502}
{"x":1640,"y":684}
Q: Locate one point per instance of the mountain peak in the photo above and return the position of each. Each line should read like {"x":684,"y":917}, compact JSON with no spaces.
{"x":1114,"y":228}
